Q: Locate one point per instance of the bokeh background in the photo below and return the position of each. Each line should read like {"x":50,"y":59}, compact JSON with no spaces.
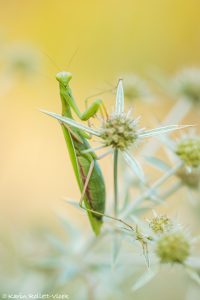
{"x":97,"y":41}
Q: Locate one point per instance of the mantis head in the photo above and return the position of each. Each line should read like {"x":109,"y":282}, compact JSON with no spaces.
{"x":64,"y":77}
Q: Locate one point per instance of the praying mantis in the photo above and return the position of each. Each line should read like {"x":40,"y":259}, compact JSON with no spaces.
{"x":86,"y":169}
{"x":93,"y":192}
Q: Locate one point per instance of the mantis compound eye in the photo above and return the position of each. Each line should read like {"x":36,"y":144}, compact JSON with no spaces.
{"x":64,"y":77}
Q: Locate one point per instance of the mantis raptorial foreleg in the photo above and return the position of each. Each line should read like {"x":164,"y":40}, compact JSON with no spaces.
{"x":68,"y":100}
{"x":102,"y":110}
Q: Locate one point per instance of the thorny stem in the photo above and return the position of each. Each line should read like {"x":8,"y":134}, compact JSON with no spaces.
{"x":115,"y":182}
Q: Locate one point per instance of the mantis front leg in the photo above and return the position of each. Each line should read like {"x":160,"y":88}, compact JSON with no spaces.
{"x":86,"y":183}
{"x":68,"y":101}
{"x":97,"y":105}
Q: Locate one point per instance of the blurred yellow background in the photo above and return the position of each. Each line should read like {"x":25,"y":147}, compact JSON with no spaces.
{"x":111,"y":38}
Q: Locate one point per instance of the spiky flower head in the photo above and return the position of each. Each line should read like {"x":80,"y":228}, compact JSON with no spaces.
{"x":119,"y":132}
{"x":189,"y":151}
{"x":173,"y":247}
{"x":187,"y":84}
{"x":160,"y":224}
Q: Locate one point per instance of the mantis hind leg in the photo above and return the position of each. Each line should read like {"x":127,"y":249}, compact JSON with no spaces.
{"x":138,"y":235}
{"x":88,"y":180}
{"x":86,"y":183}
{"x":94,"y":211}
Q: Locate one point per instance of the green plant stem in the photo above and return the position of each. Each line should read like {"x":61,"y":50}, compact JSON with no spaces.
{"x":115,"y":182}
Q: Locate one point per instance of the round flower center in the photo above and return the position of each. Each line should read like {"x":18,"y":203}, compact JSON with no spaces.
{"x":173,"y":247}
{"x":119,"y":132}
{"x":189,"y":151}
{"x":160,"y":224}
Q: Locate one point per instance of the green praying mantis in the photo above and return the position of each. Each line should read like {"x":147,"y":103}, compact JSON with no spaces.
{"x":86,"y":168}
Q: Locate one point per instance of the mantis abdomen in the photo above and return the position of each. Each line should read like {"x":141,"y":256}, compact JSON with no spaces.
{"x":95,"y":192}
{"x":94,"y":196}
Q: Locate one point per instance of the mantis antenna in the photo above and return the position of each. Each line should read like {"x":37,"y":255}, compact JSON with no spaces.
{"x":72,"y":57}
{"x":52,"y":60}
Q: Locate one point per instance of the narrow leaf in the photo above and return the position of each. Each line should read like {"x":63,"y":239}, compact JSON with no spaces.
{"x":116,"y":246}
{"x":193,"y":275}
{"x":144,"y":279}
{"x":126,"y":200}
{"x":72,"y":203}
{"x":71,"y":122}
{"x":134,"y":165}
{"x":161,"y":130}
{"x":120,"y":98}
{"x":156,"y":162}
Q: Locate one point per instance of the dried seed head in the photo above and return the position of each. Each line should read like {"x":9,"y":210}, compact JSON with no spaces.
{"x":189,"y":151}
{"x":187,"y":84}
{"x":160,"y":224}
{"x":119,"y":132}
{"x":173,"y":248}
